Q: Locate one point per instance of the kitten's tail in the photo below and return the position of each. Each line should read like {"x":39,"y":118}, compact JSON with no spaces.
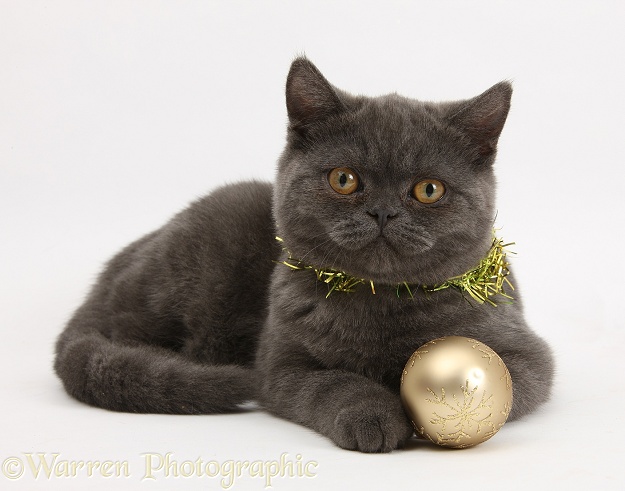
{"x":146,"y":379}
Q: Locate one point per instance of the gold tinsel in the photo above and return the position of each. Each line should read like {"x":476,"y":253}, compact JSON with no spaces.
{"x":481,"y":283}
{"x":486,"y":280}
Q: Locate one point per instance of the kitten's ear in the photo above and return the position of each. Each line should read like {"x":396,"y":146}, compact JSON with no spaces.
{"x":309,"y":96}
{"x":482,"y":118}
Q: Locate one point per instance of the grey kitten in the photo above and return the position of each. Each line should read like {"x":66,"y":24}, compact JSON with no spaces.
{"x":200,"y":316}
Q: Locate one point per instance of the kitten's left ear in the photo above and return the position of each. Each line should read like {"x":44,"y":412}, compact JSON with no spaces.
{"x":482,"y":118}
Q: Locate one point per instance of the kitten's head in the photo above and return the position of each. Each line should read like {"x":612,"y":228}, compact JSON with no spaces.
{"x":387,"y":188}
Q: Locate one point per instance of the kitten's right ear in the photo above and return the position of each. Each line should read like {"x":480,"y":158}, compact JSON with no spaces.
{"x":309,"y":96}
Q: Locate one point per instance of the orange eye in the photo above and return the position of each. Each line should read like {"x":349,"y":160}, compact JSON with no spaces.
{"x":428,"y":191}
{"x":343,"y":180}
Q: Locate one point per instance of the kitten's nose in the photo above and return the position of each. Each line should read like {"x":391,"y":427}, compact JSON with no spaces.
{"x":382,"y":215}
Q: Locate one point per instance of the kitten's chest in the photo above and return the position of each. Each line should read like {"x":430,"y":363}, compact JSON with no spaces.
{"x":373,"y":335}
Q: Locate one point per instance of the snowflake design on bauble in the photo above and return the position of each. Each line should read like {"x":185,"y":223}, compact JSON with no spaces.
{"x":460,"y":416}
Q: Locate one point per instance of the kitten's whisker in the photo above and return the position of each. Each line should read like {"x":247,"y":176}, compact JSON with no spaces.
{"x":318,"y":245}
{"x":329,"y":239}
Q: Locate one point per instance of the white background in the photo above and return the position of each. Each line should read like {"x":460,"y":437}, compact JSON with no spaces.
{"x":114,"y":115}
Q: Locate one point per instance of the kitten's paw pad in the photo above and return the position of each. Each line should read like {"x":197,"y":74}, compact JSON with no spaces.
{"x":372,"y":426}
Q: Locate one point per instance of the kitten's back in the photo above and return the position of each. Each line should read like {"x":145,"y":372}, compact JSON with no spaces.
{"x":172,"y":324}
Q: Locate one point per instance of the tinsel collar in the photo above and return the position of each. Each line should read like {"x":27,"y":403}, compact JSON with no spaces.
{"x":481,"y":283}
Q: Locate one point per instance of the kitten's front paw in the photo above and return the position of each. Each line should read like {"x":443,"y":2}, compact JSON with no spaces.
{"x":372,"y":426}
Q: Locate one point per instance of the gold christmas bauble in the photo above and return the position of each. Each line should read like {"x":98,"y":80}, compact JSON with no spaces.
{"x":457,"y":391}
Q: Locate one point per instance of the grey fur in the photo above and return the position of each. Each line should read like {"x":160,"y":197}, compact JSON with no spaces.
{"x":198,"y":318}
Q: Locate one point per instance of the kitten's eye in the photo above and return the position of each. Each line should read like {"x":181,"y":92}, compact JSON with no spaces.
{"x":343,"y":180}
{"x":429,"y":191}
